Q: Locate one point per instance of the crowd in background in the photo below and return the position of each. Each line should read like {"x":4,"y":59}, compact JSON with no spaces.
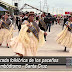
{"x":17,"y":20}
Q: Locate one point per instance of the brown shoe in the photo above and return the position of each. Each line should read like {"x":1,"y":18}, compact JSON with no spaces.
{"x":19,"y":54}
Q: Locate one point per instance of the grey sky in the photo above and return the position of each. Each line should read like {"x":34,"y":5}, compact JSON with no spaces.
{"x":55,"y":6}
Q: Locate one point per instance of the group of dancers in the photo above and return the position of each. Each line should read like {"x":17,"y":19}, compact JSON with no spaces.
{"x":31,"y":37}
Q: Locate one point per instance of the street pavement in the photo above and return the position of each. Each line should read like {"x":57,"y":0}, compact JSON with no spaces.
{"x":50,"y":48}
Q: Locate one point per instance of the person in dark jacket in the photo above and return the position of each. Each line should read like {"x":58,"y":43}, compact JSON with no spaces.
{"x":48,"y":21}
{"x":17,"y":20}
{"x":42,"y":26}
{"x":65,"y":20}
{"x":19,"y":24}
{"x":53,"y":19}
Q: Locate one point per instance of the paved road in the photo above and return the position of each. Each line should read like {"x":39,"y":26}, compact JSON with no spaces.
{"x":51,"y":48}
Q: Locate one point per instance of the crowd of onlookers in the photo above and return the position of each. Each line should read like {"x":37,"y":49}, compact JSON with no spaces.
{"x":18,"y":19}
